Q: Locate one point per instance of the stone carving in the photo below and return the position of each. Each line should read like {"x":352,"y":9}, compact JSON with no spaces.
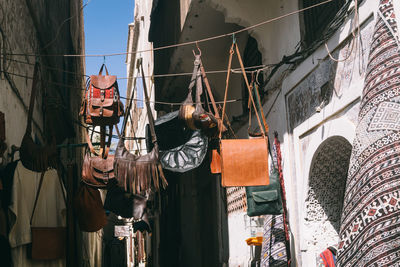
{"x":326,"y":191}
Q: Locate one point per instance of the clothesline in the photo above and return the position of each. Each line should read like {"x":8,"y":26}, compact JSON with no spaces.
{"x":231,"y":34}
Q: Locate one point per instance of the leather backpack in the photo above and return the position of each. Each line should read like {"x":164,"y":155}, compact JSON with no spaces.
{"x":102,"y":105}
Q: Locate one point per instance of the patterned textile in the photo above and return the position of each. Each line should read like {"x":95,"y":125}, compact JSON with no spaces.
{"x":370,"y":223}
{"x":273,"y":251}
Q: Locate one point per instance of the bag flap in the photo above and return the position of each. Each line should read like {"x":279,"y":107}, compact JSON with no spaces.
{"x":103,"y":165}
{"x":97,"y":102}
{"x":265,"y":196}
{"x":103,"y":81}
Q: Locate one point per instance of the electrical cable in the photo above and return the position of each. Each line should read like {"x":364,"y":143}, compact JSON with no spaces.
{"x":180,"y":44}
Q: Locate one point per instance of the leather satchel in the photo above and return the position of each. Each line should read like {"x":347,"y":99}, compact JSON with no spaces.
{"x":34,"y":157}
{"x":48,"y":243}
{"x":244,"y":162}
{"x":102,"y":105}
{"x":98,"y":170}
{"x":139,"y":173}
{"x":264,"y":200}
{"x":89,"y":209}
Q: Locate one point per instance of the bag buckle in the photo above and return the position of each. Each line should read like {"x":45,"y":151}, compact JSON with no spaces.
{"x":101,"y":111}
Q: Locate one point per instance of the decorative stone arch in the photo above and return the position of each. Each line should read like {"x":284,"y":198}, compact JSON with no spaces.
{"x":324,"y":199}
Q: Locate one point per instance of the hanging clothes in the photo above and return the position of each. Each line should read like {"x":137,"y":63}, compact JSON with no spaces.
{"x":47,"y":213}
{"x":370,"y":225}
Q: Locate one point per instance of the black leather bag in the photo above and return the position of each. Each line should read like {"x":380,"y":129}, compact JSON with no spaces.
{"x":181,"y":148}
{"x":128,"y":205}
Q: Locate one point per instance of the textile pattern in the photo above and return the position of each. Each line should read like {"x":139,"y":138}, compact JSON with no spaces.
{"x":370,"y":222}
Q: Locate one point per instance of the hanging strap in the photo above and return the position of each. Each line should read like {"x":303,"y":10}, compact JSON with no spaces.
{"x":38,"y":192}
{"x":107,"y":148}
{"x":101,"y":69}
{"x":283,"y":192}
{"x":32,"y":99}
{"x":149,"y":113}
{"x":231,"y":52}
{"x":208,"y":87}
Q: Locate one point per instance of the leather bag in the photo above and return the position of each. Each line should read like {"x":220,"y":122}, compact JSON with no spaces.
{"x":98,"y":170}
{"x":194,"y":115}
{"x":102,"y":104}
{"x":244,"y":162}
{"x":128,"y":205}
{"x":181,"y":149}
{"x":34,"y":157}
{"x":48,"y":243}
{"x":139,"y":173}
{"x":89,"y":209}
{"x":263,"y":200}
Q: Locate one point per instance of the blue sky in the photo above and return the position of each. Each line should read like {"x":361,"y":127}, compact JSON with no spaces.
{"x":106,"y":31}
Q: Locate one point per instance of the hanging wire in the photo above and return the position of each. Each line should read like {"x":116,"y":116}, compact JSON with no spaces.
{"x":180,"y":44}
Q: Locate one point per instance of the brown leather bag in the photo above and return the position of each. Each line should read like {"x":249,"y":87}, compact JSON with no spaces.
{"x":89,"y":209}
{"x":138,"y":173}
{"x":34,"y":157}
{"x":244,"y":162}
{"x":98,"y":170}
{"x":48,"y":243}
{"x":194,"y":114}
{"x":102,"y":104}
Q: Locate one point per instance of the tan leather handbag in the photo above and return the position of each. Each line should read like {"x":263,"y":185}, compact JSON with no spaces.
{"x":244,"y":162}
{"x":48,"y":243}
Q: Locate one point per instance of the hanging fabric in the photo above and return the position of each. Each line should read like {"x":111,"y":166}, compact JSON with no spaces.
{"x":244,"y":162}
{"x":370,"y":226}
{"x":102,"y":105}
{"x":137,"y":174}
{"x":33,"y":156}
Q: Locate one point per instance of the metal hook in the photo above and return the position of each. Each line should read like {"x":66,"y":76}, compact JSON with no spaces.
{"x":233,"y":38}
{"x":104,"y":60}
{"x":258,"y":73}
{"x":198,"y":49}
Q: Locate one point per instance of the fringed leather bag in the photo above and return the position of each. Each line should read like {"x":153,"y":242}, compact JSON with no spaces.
{"x":98,"y":170}
{"x":34,"y":157}
{"x":138,"y":173}
{"x":244,"y":162}
{"x":102,"y":104}
{"x":194,"y":115}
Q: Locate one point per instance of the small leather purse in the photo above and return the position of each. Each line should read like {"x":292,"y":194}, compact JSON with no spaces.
{"x":48,"y":243}
{"x":98,"y":170}
{"x":139,"y":173}
{"x":194,"y":115}
{"x":34,"y":157}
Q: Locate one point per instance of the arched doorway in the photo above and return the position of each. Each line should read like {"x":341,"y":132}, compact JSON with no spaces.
{"x":324,"y":201}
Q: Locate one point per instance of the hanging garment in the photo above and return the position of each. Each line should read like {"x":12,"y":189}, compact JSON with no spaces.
{"x":48,"y":213}
{"x":327,"y":258}
{"x":370,"y":225}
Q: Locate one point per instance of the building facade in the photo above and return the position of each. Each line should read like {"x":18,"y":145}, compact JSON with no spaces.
{"x":313,"y":57}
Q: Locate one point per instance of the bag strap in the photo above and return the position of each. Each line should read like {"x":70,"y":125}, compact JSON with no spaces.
{"x":149,"y":113}
{"x":38,"y":192}
{"x":208,"y":87}
{"x":32,"y":99}
{"x":101,"y":69}
{"x":102,"y":153}
{"x":231,"y":52}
